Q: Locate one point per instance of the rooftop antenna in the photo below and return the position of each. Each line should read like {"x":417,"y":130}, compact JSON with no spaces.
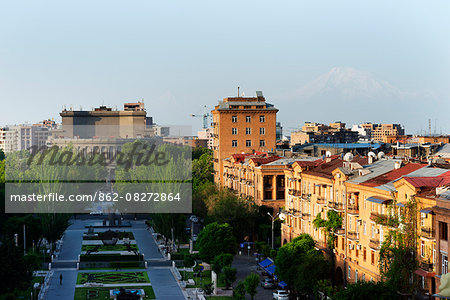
{"x":238,"y":91}
{"x":429,"y":126}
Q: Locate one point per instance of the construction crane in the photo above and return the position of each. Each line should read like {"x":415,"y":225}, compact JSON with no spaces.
{"x":205,"y":117}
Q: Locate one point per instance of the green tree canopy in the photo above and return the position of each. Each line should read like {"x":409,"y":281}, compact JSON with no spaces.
{"x":214,"y":240}
{"x":251,"y":283}
{"x":367,"y":291}
{"x":330,"y":225}
{"x":221,"y":261}
{"x":300,"y":265}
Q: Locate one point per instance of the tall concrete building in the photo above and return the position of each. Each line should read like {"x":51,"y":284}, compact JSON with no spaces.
{"x":103,"y":121}
{"x":242,"y":125}
{"x":23,"y":137}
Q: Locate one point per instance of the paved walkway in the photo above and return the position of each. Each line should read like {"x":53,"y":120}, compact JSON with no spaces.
{"x":164,"y":283}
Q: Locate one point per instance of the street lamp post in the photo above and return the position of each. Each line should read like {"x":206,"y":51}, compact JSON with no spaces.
{"x":273,"y":221}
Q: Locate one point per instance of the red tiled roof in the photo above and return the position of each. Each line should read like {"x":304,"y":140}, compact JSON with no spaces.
{"x":308,"y":163}
{"x":428,"y":181}
{"x":393,"y":175}
{"x":264,"y":160}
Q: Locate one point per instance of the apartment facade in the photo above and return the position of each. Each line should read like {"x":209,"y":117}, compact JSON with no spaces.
{"x":242,"y":125}
{"x":23,"y":137}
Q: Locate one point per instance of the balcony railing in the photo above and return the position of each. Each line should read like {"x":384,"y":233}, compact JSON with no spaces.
{"x":340,"y":231}
{"x":305,"y":216}
{"x":306,"y":197}
{"x":427,"y":232}
{"x":426,"y":266}
{"x":383,"y":219}
{"x":321,"y":200}
{"x":374,"y":244}
{"x":338,"y":206}
{"x":353,"y":209}
{"x":330,"y":204}
{"x":352,"y":235}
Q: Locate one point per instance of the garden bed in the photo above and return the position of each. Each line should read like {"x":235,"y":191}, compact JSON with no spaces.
{"x":103,"y":293}
{"x":113,"y":277}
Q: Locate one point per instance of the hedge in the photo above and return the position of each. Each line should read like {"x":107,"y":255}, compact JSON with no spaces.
{"x":110,"y":257}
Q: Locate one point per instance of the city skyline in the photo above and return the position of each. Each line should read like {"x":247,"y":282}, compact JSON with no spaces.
{"x":163,"y":53}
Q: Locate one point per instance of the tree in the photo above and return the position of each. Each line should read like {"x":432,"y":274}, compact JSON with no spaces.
{"x":16,"y":270}
{"x":366,"y":290}
{"x":398,"y":260}
{"x":300,"y":265}
{"x":239,"y":291}
{"x":251,"y":282}
{"x":221,"y":261}
{"x":53,"y":226}
{"x":330,"y":225}
{"x":202,"y":170}
{"x":2,"y":155}
{"x":214,"y":240}
{"x":230,"y":276}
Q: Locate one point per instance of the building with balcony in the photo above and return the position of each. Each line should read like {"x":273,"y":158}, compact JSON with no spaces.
{"x":242,"y":125}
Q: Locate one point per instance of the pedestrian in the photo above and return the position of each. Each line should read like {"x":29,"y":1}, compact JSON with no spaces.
{"x":60,"y":279}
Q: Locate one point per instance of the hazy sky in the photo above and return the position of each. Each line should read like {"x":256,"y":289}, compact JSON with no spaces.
{"x":181,"y":55}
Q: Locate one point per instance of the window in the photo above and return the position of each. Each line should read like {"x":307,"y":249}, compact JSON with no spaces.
{"x":373,"y":231}
{"x":443,"y":229}
{"x":422,"y":249}
{"x":234,"y":131}
{"x":248,"y":143}
{"x":262,"y":143}
{"x":364,"y":228}
{"x":262,"y":130}
{"x":234,"y":119}
{"x":364,"y":254}
{"x":262,"y":119}
{"x":234,"y":143}
{"x":356,"y":275}
{"x":349,"y":223}
{"x":363,"y":277}
{"x":372,"y":257}
{"x":248,"y":131}
{"x":444,"y":264}
{"x":248,"y":119}
{"x":349,"y":272}
{"x":343,"y":243}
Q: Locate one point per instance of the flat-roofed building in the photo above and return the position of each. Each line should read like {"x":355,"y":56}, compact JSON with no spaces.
{"x":242,"y":125}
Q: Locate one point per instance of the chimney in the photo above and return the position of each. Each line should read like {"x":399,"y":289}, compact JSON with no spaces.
{"x":398,"y":165}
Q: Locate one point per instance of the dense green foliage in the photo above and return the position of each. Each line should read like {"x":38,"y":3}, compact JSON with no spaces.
{"x":230,"y":275}
{"x":239,"y":291}
{"x":367,"y":291}
{"x":300,"y":265}
{"x":214,"y":240}
{"x":398,"y":260}
{"x":221,"y":261}
{"x":330,"y":225}
{"x":251,"y":283}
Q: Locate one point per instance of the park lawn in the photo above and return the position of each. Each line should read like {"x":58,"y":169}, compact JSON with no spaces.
{"x":114,"y":277}
{"x":206,"y":278}
{"x":117,"y":247}
{"x":103,"y":293}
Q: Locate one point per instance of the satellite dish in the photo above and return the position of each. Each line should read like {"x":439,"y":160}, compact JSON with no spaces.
{"x":282,"y":216}
{"x":328,"y":154}
{"x":381,"y":155}
{"x":348,"y":156}
{"x":371,"y":154}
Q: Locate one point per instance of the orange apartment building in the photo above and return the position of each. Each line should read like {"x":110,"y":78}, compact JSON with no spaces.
{"x":242,"y":125}
{"x":366,"y":193}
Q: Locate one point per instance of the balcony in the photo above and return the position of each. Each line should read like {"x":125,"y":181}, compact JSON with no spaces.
{"x":353,"y":209}
{"x":352,"y":235}
{"x":330,"y":204}
{"x":374,"y":244}
{"x":338,"y":206}
{"x":305,"y":216}
{"x":426,"y":266}
{"x":306,"y":197}
{"x":385,"y":220}
{"x":321,"y":200}
{"x":427,"y":232}
{"x":340,"y":231}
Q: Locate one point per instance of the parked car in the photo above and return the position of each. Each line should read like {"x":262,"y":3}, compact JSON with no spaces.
{"x":268,"y":283}
{"x":281,"y":295}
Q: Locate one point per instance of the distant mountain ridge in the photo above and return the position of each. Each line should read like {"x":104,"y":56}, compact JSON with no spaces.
{"x":348,"y":82}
